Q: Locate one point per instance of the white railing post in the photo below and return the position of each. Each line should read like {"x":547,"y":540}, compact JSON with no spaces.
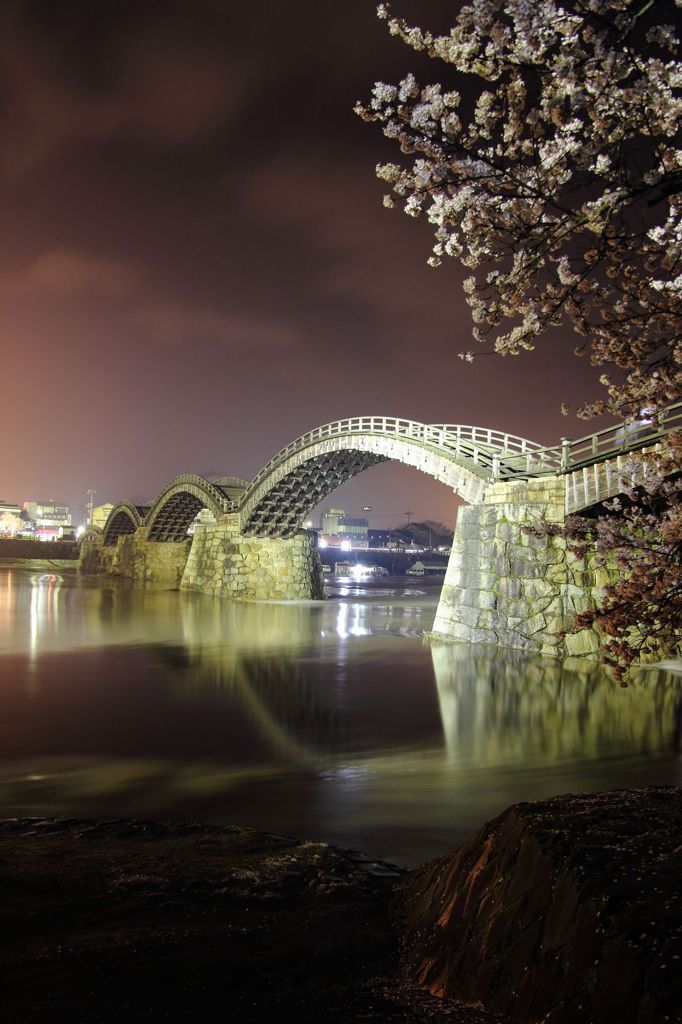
{"x":565,"y":454}
{"x":625,"y":434}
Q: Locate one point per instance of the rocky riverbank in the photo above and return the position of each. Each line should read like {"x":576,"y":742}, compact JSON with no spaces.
{"x":563,"y":910}
{"x":137,"y":921}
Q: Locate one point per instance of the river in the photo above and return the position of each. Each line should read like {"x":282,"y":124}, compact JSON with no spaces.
{"x":332,"y":719}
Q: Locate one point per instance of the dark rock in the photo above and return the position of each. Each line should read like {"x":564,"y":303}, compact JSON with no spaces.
{"x":565,"y":911}
{"x":101,"y":926}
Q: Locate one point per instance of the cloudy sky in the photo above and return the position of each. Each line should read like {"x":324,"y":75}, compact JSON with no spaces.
{"x":195,"y":265}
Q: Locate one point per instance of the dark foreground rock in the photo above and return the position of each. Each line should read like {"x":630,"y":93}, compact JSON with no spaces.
{"x":565,"y":911}
{"x":132,"y":921}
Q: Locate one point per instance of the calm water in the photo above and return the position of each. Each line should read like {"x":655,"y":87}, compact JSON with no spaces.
{"x":329,"y":720}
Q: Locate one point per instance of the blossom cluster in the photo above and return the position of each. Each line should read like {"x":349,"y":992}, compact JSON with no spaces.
{"x":558,"y":182}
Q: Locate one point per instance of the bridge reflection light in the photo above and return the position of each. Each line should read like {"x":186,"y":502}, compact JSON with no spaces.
{"x":342,"y":620}
{"x":351,"y":620}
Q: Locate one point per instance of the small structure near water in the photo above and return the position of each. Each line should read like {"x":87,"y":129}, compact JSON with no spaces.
{"x":427,"y":569}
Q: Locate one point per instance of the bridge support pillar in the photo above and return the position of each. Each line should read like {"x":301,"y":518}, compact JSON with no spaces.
{"x":227,"y":564}
{"x":505,"y":587}
{"x":135,"y":558}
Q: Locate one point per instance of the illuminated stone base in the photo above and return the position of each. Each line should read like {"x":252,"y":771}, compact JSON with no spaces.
{"x":218,"y":561}
{"x":509,"y":588}
{"x":135,"y":558}
{"x":225,"y":563}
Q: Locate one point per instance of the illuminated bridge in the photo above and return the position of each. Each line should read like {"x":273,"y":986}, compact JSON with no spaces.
{"x":467,"y":459}
{"x":500,"y":586}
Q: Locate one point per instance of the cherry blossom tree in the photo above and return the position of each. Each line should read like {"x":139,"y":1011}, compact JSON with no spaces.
{"x":10,"y":524}
{"x":548,"y":161}
{"x":549,"y":164}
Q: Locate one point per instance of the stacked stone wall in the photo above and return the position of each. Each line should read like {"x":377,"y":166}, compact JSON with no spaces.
{"x":20,"y":547}
{"x":224,"y":563}
{"x":218,"y":561}
{"x":509,"y":588}
{"x":95,"y":558}
{"x":135,"y":558}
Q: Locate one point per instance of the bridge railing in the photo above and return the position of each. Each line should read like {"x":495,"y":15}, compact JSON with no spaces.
{"x":219,"y":495}
{"x":500,"y":454}
{"x":596,"y":447}
{"x":478,"y":444}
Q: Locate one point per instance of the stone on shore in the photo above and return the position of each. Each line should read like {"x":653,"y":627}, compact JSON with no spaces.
{"x":565,"y":911}
{"x":125,"y":922}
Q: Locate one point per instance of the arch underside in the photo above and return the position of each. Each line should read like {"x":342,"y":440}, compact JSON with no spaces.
{"x":279,"y":502}
{"x":172,"y":519}
{"x":287,"y":503}
{"x":119,"y":523}
{"x":183,"y":498}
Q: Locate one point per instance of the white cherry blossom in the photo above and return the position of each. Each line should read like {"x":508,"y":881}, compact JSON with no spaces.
{"x":560,"y":169}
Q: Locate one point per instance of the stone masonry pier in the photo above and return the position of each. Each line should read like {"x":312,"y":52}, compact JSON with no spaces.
{"x":217,"y":561}
{"x":506,"y":587}
{"x":225,"y":563}
{"x":134,"y":557}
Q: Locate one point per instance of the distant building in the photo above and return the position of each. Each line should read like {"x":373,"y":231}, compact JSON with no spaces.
{"x":330,"y":520}
{"x":48,"y":513}
{"x":100,"y":514}
{"x":354,"y":529}
{"x":9,"y":508}
{"x":378,"y":538}
{"x":50,"y":518}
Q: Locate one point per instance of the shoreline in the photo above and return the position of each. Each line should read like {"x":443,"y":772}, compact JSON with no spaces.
{"x":542,"y":915}
{"x":135,"y":920}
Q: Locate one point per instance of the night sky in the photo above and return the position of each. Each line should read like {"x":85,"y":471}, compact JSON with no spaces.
{"x":195,"y":265}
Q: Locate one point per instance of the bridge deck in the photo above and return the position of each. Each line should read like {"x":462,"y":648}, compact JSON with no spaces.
{"x":596,"y":467}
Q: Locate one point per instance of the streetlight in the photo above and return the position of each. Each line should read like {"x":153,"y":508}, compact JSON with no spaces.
{"x":91,"y":492}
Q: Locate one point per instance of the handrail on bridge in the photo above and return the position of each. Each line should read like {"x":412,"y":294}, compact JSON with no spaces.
{"x":479,"y":444}
{"x":573,"y":454}
{"x":505,"y":455}
{"x":497,"y":454}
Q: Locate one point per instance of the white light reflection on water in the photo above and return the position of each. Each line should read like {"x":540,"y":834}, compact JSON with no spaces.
{"x":324,"y":719}
{"x":43,"y":618}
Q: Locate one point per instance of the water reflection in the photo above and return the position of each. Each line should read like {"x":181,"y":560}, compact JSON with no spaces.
{"x":329,"y":719}
{"x":521,"y":707}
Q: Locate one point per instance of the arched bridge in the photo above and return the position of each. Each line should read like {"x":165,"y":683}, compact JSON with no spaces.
{"x":504,"y":584}
{"x":304,"y":473}
{"x":468,"y":459}
{"x":170,"y":516}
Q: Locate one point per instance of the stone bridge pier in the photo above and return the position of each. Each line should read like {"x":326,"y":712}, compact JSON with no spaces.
{"x":506,"y":587}
{"x":134,"y":557}
{"x":225,"y":563}
{"x":218,"y":560}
